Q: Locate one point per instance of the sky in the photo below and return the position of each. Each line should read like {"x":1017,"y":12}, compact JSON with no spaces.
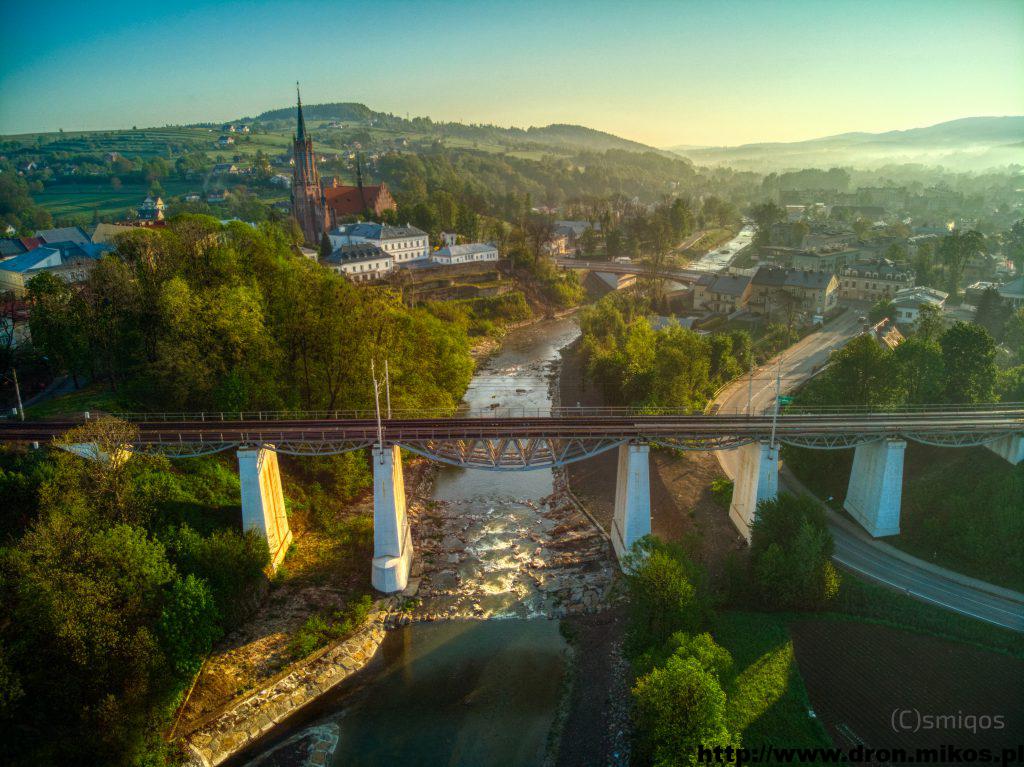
{"x":666,"y":73}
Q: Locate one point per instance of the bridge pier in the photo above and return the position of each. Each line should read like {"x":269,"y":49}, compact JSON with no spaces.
{"x":876,"y":486}
{"x":757,"y":479}
{"x":263,"y":506}
{"x":392,"y":536}
{"x":632,"y":518}
{"x":1010,"y":447}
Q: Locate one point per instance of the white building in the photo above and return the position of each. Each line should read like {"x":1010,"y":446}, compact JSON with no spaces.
{"x":359,"y":261}
{"x":465,"y":254}
{"x":404,"y":244}
{"x":908,"y":303}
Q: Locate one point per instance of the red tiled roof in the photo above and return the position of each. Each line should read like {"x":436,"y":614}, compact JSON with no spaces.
{"x":346,"y":200}
{"x":31,"y":242}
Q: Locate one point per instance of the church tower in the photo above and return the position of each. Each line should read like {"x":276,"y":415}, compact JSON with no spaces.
{"x":307,"y":196}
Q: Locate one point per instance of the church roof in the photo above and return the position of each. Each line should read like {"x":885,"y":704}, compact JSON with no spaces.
{"x":300,"y":133}
{"x":347,"y":200}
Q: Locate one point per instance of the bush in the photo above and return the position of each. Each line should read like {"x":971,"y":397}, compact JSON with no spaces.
{"x":665,"y":594}
{"x":231,"y":564}
{"x":319,"y":630}
{"x":790,"y":554}
{"x":678,"y":708}
{"x":721,"y":491}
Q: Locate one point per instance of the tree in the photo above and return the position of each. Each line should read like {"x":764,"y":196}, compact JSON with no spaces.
{"x":956,"y":250}
{"x":326,"y":248}
{"x":1014,"y":242}
{"x":665,"y":593}
{"x":862,"y":373}
{"x":55,"y":322}
{"x":969,"y":360}
{"x":993,"y":313}
{"x":679,"y":708}
{"x":921,"y":371}
{"x":790,"y":553}
{"x":764,"y":215}
{"x":929,"y":325}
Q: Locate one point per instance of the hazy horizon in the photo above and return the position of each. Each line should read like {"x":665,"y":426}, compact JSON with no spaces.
{"x":734,"y":73}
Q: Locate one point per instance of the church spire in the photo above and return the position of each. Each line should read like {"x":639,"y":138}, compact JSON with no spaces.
{"x":301,"y":135}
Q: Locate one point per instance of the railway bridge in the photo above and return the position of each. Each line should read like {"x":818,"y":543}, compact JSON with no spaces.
{"x":527,"y":441}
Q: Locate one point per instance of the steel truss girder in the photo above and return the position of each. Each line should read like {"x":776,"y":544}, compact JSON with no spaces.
{"x":183,"y":449}
{"x":511,"y":453}
{"x":698,"y":443}
{"x":317,"y":448}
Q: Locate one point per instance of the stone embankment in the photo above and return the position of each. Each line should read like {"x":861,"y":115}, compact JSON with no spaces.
{"x":250,"y":716}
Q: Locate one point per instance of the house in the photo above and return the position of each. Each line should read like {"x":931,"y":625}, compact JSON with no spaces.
{"x":105,"y":234}
{"x":831,"y":261}
{"x":225,"y":141}
{"x":282,"y":180}
{"x":722,"y":293}
{"x":776,"y":290}
{"x":63,"y":234}
{"x":874,"y":280}
{"x":886,"y":333}
{"x":221,"y":195}
{"x":404,"y":244}
{"x":1013,"y":292}
{"x":193,"y":197}
{"x":15,"y":246}
{"x":359,"y":261}
{"x":224,"y":167}
{"x":974,"y":291}
{"x":227,"y":128}
{"x":70,"y":261}
{"x":152,"y":209}
{"x":908,"y":303}
{"x":558,"y":245}
{"x":449,"y":238}
{"x":465,"y":254}
{"x":345,"y":201}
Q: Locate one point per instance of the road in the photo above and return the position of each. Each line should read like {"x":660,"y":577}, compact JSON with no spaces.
{"x":855,"y":550}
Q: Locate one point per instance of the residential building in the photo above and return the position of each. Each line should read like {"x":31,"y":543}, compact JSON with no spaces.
{"x":359,"y":261}
{"x":974,"y":291}
{"x":372,"y":200}
{"x":832,"y":262}
{"x":152,"y":209}
{"x":908,"y":303}
{"x":405,"y":244}
{"x":874,"y":280}
{"x":1013,"y":292}
{"x":776,"y":290}
{"x":104,"y":234}
{"x":557,"y":245}
{"x":15,"y":246}
{"x":465,"y":254}
{"x":722,"y":293}
{"x":223,"y":168}
{"x":225,"y":141}
{"x":449,"y":238}
{"x":886,"y":333}
{"x":70,"y":261}
{"x":63,"y":234}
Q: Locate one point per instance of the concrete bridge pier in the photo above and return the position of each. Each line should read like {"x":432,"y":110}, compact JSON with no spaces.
{"x":757,"y":479}
{"x":632,"y":518}
{"x":1010,"y":447}
{"x":876,"y":486}
{"x":392,"y":536}
{"x":263,"y":506}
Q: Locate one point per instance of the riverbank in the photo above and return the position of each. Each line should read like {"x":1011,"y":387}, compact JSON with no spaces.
{"x":682,"y":506}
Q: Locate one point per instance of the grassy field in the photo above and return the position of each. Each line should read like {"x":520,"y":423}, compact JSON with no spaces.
{"x":767,"y":699}
{"x":94,"y":398}
{"x":65,"y":200}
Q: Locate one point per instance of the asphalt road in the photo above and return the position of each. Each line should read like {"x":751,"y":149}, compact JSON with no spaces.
{"x":855,"y":550}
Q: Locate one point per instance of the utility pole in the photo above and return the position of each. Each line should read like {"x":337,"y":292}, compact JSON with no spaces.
{"x":17,"y":393}
{"x":376,"y":400}
{"x":387,"y":387}
{"x":778,"y":391}
{"x":750,"y":392}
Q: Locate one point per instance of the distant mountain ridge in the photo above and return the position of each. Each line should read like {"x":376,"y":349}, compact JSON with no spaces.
{"x":557,"y":134}
{"x":969,"y":142}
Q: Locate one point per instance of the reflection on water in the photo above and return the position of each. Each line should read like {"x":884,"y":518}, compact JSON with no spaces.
{"x":457,"y":693}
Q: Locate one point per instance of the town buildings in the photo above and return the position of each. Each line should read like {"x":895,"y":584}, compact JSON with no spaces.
{"x":464,"y":254}
{"x":874,"y":280}
{"x":67,"y":260}
{"x":722,"y":293}
{"x":405,"y":244}
{"x":777,"y":291}
{"x":908,"y":303}
{"x":359,"y":261}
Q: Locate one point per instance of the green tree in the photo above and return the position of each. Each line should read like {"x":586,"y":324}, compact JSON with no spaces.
{"x":956,"y":250}
{"x":969,"y":360}
{"x":764,"y":215}
{"x":790,"y":554}
{"x":921,"y":370}
{"x":678,"y":708}
{"x":993,"y":313}
{"x":863,"y":373}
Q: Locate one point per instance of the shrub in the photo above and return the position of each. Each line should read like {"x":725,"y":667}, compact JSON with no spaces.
{"x":721,"y":491}
{"x":319,"y":630}
{"x":665,"y":594}
{"x":790,"y":554}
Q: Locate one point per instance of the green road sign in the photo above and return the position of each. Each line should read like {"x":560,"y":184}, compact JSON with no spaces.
{"x":785,"y":400}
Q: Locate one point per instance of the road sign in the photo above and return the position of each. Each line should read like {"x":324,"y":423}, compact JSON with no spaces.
{"x":784,"y":400}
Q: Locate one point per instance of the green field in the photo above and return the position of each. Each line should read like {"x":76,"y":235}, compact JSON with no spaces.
{"x":66,"y":200}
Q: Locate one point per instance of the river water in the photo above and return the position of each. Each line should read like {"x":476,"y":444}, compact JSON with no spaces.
{"x":471,"y":692}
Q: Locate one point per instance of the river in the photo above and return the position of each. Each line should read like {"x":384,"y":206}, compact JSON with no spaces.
{"x":462,"y":691}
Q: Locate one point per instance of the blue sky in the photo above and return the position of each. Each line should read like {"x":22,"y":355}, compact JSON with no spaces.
{"x":665,"y":73}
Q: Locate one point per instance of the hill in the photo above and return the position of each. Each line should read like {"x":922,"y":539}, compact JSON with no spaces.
{"x":576,"y":137}
{"x":971,"y":143}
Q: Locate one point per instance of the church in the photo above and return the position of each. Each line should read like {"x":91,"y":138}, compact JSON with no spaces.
{"x":319,"y":208}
